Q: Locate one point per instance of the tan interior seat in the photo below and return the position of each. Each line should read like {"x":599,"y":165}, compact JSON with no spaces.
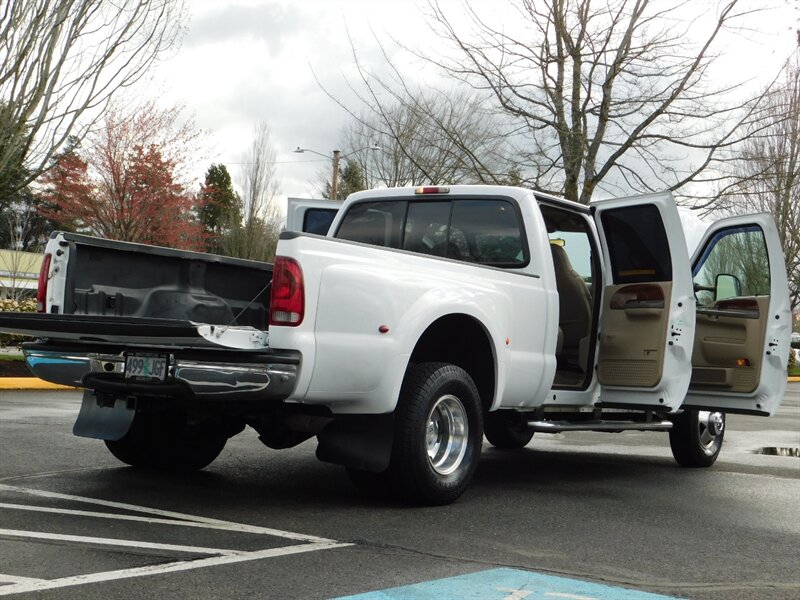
{"x":574,"y":305}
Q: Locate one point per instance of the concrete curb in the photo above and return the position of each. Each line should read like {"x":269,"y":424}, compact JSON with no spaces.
{"x":30,"y":383}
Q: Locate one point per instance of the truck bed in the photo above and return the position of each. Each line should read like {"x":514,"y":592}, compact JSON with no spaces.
{"x":122,"y":279}
{"x":202,"y":315}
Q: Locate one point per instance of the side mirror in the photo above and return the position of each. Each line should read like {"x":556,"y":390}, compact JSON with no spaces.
{"x":727,"y":286}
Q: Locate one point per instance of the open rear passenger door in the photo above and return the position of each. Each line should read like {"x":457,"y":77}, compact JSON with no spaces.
{"x":647,"y":312}
{"x":743,"y":318}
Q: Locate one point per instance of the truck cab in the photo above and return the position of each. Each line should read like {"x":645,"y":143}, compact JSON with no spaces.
{"x":640,"y":322}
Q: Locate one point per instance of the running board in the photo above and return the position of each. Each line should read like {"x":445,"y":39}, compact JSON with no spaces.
{"x":606,"y":426}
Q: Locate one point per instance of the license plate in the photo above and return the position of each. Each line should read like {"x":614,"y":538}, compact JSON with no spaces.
{"x":146,"y":366}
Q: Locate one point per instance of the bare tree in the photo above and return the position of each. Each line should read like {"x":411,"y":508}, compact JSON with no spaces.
{"x":766,"y":174}
{"x":591,"y":95}
{"x":18,"y":266}
{"x":256,"y":236}
{"x":416,"y":138}
{"x":62,"y":60}
{"x":406,"y":135}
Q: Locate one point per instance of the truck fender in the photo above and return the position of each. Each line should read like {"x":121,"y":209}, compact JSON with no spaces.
{"x":451,"y":338}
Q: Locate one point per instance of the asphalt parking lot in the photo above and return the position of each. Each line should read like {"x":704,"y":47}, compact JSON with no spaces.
{"x":572,"y":516}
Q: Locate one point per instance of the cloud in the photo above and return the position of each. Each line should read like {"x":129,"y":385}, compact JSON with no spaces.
{"x":270,"y":23}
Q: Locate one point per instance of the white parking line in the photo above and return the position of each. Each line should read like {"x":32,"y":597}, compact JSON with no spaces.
{"x":6,"y":579}
{"x":228,"y":525}
{"x":42,"y":584}
{"x":10,"y":584}
{"x":235,"y":527}
{"x":83,"y":539}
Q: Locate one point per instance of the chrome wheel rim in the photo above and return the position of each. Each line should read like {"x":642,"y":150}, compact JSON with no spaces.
{"x":710,"y":426}
{"x":446,"y":434}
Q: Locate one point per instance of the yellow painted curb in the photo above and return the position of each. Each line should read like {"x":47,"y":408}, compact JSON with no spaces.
{"x":34,"y":383}
{"x":30,"y":383}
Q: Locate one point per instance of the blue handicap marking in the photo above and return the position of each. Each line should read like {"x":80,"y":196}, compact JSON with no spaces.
{"x":507,"y":584}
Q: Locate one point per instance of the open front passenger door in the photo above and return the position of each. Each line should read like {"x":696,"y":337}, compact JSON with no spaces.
{"x":647,"y":315}
{"x":743,"y":318}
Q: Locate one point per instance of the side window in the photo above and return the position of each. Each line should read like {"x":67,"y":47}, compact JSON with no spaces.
{"x":318,"y":220}
{"x":376,"y":223}
{"x":426,"y":228}
{"x":637,"y":244}
{"x":488,"y":232}
{"x":733,"y":263}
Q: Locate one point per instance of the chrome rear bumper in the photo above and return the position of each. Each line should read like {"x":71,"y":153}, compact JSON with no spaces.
{"x":248,"y":378}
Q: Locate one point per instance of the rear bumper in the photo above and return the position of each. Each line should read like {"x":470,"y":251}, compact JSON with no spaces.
{"x":204,"y":375}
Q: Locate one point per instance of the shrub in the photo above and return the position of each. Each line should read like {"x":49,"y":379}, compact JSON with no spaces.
{"x":11,"y":305}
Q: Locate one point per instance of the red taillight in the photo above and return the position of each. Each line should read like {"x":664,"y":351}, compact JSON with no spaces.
{"x":287,"y":299}
{"x":41,"y":292}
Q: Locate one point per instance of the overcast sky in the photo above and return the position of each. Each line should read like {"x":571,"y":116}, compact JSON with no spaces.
{"x":246,"y":61}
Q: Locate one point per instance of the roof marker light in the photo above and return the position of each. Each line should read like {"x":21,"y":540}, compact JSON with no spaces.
{"x":432,"y":189}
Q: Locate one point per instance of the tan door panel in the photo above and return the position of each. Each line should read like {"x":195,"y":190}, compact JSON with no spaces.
{"x":632,"y":334}
{"x":729,"y":337}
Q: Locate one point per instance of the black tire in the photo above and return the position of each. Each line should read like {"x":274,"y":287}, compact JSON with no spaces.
{"x":696,"y":437}
{"x":438,"y":403}
{"x":168,"y":440}
{"x":507,"y":430}
{"x":126,"y":451}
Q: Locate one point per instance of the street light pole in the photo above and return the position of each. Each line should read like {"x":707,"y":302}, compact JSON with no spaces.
{"x":337,"y":154}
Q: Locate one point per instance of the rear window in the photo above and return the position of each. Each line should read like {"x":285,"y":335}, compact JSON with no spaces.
{"x":426,"y":228}
{"x":485,"y":231}
{"x":637,"y":244}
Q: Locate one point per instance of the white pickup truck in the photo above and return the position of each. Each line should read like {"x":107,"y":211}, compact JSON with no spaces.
{"x":425,"y":319}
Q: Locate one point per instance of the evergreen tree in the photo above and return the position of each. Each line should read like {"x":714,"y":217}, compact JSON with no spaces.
{"x":219,"y":206}
{"x":13,"y":175}
{"x":351,"y":180}
{"x":22,"y":226}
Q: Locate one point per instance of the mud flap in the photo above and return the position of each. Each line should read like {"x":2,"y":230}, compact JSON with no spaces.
{"x":358,"y":441}
{"x":103,"y":422}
